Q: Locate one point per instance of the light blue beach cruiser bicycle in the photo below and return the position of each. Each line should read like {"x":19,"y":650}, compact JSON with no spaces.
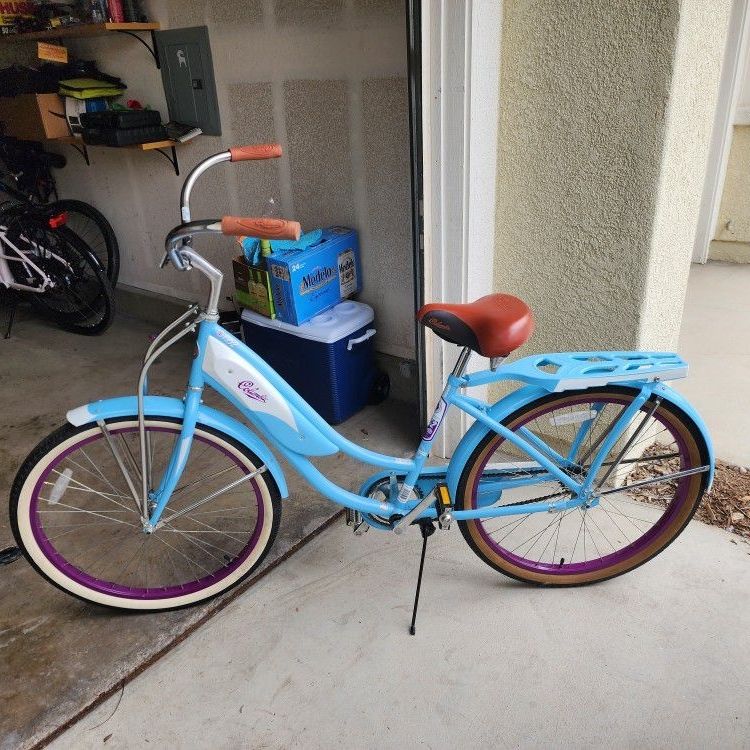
{"x":587,"y":470}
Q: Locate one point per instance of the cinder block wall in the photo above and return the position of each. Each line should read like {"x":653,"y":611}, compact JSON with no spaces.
{"x":327,"y":79}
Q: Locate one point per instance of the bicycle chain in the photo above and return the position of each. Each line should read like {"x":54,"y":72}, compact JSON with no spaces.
{"x":537,"y":499}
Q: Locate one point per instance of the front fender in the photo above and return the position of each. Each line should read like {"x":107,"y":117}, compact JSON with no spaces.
{"x":162,"y":406}
{"x":526,"y":395}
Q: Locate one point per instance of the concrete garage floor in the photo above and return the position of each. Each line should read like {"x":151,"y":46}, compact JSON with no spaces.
{"x":317,"y":655}
{"x":59,"y":655}
{"x":715,"y":340}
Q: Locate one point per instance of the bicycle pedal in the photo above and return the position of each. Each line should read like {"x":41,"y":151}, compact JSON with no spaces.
{"x":361,"y":528}
{"x":445,"y":520}
{"x":443,"y":506}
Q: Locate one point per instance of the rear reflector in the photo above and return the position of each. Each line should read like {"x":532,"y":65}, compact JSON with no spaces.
{"x":58,"y":220}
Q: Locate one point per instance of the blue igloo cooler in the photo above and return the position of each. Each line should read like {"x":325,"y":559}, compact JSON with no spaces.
{"x":328,"y":360}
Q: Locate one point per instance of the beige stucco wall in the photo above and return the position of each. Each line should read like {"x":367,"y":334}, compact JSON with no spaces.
{"x":732,"y":237}
{"x":693,"y":93}
{"x":606,"y":110}
{"x":328,"y":81}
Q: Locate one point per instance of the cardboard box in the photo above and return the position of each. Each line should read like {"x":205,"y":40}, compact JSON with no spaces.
{"x":309,"y":281}
{"x":34,"y":117}
{"x":253,"y":287}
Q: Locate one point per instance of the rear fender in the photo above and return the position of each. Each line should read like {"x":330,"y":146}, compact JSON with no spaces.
{"x":162,"y":406}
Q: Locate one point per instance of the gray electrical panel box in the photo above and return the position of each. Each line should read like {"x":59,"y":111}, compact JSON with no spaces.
{"x":188,"y":74}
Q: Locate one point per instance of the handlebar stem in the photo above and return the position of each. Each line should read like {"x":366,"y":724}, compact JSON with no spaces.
{"x":215,"y":278}
{"x":184,"y":257}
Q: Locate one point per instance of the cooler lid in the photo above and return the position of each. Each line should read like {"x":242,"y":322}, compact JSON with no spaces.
{"x":326,"y":327}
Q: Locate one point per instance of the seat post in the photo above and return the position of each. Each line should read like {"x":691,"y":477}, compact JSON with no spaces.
{"x":461,"y":362}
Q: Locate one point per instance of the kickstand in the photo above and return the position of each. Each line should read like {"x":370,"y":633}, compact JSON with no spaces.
{"x":13,"y":308}
{"x":427,"y":527}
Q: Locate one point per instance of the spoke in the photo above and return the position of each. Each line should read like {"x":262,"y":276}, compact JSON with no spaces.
{"x":572,"y":554}
{"x":534,"y":537}
{"x":136,"y":556}
{"x":624,"y":515}
{"x":603,"y":535}
{"x":203,"y":479}
{"x":182,"y":554}
{"x":505,"y":526}
{"x":604,"y":434}
{"x":76,"y":527}
{"x":212,"y":496}
{"x":130,"y":457}
{"x":557,"y":538}
{"x":85,"y":488}
{"x":98,"y":473}
{"x":208,"y":531}
{"x":79,"y":510}
{"x":632,"y":439}
{"x":100,"y":515}
{"x":520,"y":521}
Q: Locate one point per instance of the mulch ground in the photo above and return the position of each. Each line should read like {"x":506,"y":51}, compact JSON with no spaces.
{"x":726,"y":506}
{"x":728,"y":503}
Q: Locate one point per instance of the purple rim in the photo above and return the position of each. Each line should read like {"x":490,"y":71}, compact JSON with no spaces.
{"x":604,"y":562}
{"x":129,"y":592}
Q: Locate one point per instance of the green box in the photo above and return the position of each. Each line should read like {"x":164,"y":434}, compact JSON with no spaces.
{"x":253,"y":287}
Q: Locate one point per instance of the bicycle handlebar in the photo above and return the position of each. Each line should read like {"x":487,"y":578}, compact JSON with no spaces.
{"x":264,"y":229}
{"x":254,"y":152}
{"x":235,"y":153}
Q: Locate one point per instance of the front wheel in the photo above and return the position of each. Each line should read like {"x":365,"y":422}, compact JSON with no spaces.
{"x":78,"y":524}
{"x":639,"y":509}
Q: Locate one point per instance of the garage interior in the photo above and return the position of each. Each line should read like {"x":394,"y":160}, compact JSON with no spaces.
{"x":327,"y":80}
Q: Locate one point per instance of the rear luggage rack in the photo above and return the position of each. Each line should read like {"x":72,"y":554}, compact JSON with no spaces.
{"x":574,"y":370}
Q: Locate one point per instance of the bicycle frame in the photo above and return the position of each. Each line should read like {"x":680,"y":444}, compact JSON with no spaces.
{"x":18,"y":256}
{"x":297,"y":432}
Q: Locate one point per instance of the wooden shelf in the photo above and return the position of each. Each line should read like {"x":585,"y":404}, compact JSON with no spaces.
{"x":83,"y":30}
{"x":158,"y":146}
{"x":140,"y":146}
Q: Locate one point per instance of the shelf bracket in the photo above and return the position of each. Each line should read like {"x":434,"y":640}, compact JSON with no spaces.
{"x":152,"y":48}
{"x":171,"y":159}
{"x":82,"y":150}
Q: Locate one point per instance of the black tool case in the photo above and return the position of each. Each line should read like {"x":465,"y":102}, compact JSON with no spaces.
{"x":123,"y":136}
{"x":122,"y":118}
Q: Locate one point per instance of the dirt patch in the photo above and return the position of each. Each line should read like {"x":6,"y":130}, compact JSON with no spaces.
{"x":726,"y":506}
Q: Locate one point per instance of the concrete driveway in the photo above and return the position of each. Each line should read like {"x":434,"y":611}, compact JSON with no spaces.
{"x":317,"y":655}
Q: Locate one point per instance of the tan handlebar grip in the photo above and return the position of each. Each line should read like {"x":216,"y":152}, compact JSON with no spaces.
{"x":264,"y":229}
{"x":258,"y":151}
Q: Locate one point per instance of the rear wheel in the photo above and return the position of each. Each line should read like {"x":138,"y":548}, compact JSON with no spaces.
{"x":78,"y":297}
{"x":94,"y":229}
{"x":626,"y":527}
{"x":77,"y":522}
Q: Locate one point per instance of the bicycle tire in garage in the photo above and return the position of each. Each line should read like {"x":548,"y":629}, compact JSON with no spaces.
{"x":93,"y":228}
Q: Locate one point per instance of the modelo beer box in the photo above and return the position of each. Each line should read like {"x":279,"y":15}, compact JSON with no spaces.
{"x":329,"y":360}
{"x":308,"y":281}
